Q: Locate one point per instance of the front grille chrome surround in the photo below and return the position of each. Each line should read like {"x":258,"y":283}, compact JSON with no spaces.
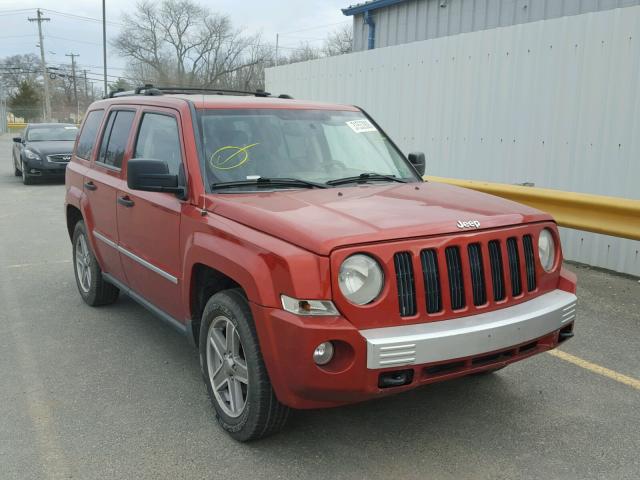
{"x":62,"y":158}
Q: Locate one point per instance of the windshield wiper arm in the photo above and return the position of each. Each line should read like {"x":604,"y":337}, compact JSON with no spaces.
{"x":268,"y":182}
{"x":363,"y":177}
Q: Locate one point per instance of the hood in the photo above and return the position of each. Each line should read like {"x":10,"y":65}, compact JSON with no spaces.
{"x":49,"y":148}
{"x":321,"y":220}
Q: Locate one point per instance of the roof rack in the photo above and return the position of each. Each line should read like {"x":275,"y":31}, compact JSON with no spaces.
{"x":150,"y":90}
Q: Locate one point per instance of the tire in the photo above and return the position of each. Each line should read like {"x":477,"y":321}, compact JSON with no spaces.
{"x":93,"y":288}
{"x":26,"y":178}
{"x":256,"y":412}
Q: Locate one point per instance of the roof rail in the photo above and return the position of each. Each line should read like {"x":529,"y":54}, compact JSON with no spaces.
{"x":149,"y":89}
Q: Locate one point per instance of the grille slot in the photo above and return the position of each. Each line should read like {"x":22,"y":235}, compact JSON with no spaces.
{"x":456,"y":285}
{"x":514,"y":266}
{"x":406,"y":284}
{"x":59,"y":158}
{"x":477,"y":274}
{"x":527,"y":243}
{"x":429,"y":261}
{"x":497,"y":272}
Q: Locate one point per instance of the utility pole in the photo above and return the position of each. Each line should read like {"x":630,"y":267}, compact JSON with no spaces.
{"x":277,"y":41}
{"x":86,"y":90}
{"x":45,"y":75}
{"x":75,"y":86}
{"x":104,"y":45}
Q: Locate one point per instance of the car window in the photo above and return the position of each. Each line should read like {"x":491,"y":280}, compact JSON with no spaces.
{"x":114,"y":139}
{"x":313,"y":145}
{"x":158,"y":139}
{"x":87,"y":139}
{"x":52,"y":133}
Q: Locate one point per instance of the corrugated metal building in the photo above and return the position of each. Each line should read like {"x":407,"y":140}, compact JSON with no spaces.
{"x":382,"y":23}
{"x":554,"y":102}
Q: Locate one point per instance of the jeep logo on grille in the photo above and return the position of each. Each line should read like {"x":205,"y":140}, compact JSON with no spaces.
{"x":469,"y":224}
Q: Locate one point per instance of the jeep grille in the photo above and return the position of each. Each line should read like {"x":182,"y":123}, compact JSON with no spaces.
{"x":465,"y":263}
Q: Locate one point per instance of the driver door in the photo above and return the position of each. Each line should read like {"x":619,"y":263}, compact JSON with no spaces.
{"x":149,"y":222}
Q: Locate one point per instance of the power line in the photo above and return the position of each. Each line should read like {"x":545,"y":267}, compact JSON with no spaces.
{"x":81,"y":17}
{"x":74,"y":40}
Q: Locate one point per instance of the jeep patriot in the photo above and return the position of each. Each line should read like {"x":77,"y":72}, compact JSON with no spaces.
{"x":302,"y":252}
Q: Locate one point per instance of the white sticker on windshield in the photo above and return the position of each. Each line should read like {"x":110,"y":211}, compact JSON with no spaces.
{"x":70,"y":128}
{"x":361,"y":126}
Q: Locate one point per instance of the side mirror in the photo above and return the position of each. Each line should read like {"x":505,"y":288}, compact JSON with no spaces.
{"x":417,"y":160}
{"x":17,"y":139}
{"x":152,"y":176}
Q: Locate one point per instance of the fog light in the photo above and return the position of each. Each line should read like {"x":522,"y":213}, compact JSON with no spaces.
{"x":323,"y":353}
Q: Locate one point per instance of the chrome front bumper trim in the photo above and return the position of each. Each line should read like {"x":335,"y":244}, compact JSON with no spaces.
{"x":467,"y":336}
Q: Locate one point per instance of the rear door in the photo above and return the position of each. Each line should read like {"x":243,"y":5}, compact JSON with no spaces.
{"x":149,"y":222}
{"x":101,"y":186}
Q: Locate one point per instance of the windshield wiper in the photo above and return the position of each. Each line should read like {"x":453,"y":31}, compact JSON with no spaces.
{"x":268,"y":182}
{"x":364,"y":177}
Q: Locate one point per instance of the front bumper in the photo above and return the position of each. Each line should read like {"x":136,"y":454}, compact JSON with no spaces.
{"x":424,"y":353}
{"x":44,"y":168}
{"x":469,"y":336}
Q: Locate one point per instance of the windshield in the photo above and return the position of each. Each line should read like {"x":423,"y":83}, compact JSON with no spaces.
{"x":311,"y":145}
{"x":52,"y":133}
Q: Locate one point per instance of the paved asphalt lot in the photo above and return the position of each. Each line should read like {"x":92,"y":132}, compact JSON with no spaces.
{"x":113,"y":393}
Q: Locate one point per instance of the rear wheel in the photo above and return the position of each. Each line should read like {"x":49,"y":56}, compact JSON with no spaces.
{"x":93,"y":288}
{"x":234,"y":371}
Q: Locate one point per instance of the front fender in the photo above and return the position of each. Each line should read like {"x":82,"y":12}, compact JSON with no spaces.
{"x":264,"y":266}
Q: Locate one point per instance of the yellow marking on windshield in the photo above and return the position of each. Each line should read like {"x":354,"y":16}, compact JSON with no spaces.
{"x":220,"y":161}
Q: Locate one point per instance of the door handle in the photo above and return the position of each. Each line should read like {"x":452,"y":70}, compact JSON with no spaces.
{"x":126,"y":201}
{"x":90,"y":186}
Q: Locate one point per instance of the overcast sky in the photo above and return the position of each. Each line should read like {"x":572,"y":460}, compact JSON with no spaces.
{"x":295,"y":20}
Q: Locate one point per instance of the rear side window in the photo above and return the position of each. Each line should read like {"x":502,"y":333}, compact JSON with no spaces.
{"x":89,"y":133}
{"x":114,"y":138}
{"x":158,"y":139}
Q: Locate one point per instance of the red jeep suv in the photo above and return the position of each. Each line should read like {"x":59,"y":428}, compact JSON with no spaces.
{"x":302,"y":252}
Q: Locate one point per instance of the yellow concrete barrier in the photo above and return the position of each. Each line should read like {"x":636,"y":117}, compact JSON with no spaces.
{"x":615,"y":216}
{"x":15,"y":127}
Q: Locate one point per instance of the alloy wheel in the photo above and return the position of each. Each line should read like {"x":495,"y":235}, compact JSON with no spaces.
{"x":83,"y":263}
{"x":227,"y":366}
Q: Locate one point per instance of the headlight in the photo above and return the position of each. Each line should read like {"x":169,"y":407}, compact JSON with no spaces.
{"x":31,"y":155}
{"x":546,"y":249}
{"x":360,"y":279}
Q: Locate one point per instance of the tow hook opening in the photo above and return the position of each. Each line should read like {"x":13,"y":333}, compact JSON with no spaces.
{"x":566,"y":333}
{"x":395,"y":379}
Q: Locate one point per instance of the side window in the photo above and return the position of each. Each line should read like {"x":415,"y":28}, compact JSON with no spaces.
{"x":158,"y":139}
{"x":87,"y":139}
{"x":114,"y":139}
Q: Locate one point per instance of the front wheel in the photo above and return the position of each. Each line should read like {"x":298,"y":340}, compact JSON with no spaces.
{"x":26,"y":178}
{"x":234,"y":371}
{"x":93,"y":288}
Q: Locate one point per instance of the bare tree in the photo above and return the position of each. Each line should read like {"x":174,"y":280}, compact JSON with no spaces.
{"x":181,"y":43}
{"x":339,"y":42}
{"x":303,"y":53}
{"x":16,"y":69}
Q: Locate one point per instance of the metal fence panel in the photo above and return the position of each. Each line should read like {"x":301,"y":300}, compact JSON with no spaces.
{"x":414,"y":20}
{"x":553,"y":102}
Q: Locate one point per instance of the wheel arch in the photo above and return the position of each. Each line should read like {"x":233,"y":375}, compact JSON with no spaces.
{"x":74,"y":215}
{"x":206,"y":281}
